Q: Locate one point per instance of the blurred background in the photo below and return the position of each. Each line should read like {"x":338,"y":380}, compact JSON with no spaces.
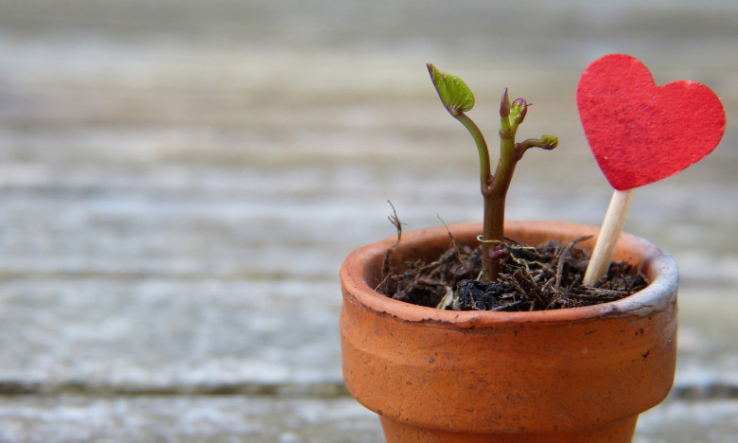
{"x":181,"y":180}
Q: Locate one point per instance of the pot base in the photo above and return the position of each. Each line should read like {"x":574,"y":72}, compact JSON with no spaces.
{"x":618,"y":432}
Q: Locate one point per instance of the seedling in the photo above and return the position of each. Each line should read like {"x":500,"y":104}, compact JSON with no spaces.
{"x":458,"y":99}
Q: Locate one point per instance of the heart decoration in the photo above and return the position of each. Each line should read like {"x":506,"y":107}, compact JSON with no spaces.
{"x":640,"y":132}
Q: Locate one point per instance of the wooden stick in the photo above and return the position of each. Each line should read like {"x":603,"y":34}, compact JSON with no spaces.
{"x":612,"y":226}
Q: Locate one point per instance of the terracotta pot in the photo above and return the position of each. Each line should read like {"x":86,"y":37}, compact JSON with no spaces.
{"x":572,"y":375}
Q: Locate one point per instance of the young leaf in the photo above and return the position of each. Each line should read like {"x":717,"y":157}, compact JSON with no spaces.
{"x":454,"y":93}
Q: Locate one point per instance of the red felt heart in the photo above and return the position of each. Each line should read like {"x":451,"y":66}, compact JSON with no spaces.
{"x":639,"y":132}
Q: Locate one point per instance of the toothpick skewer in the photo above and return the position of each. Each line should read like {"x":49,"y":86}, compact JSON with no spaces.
{"x":612,"y":226}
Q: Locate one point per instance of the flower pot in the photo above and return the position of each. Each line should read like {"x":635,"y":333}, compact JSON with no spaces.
{"x":572,"y":375}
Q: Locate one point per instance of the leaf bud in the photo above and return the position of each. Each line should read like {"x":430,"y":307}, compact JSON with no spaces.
{"x":504,"y":104}
{"x":549,"y":142}
{"x":518,"y":109}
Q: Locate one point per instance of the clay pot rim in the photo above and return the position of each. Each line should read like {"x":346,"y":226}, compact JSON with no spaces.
{"x":657,"y":263}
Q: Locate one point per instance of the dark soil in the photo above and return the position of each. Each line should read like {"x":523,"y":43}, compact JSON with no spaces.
{"x":545,"y":277}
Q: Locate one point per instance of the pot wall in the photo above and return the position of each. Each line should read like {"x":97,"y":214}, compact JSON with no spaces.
{"x":562,"y":372}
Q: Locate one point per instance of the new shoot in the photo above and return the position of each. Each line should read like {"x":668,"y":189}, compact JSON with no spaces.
{"x":458,"y":99}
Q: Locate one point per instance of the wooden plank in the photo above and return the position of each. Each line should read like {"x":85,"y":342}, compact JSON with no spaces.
{"x":267,"y":419}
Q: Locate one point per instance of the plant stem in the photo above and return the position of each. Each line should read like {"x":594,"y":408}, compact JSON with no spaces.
{"x":495,"y":193}
{"x":494,"y":189}
{"x":484,"y":162}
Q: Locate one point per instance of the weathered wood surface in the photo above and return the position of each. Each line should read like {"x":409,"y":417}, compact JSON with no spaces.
{"x":179,"y":184}
{"x":187,"y":419}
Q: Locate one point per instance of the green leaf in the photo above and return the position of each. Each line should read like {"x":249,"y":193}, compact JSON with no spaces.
{"x":455,"y":94}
